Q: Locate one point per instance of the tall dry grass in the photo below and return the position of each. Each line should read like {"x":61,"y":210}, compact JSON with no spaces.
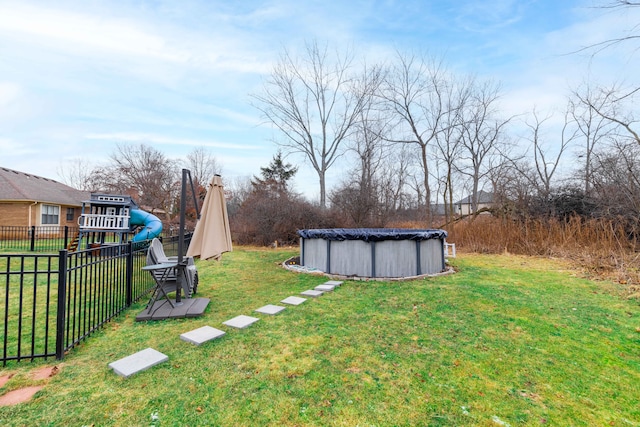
{"x":602,"y":248}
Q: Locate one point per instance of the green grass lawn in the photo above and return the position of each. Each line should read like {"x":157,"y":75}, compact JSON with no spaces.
{"x":506,"y":341}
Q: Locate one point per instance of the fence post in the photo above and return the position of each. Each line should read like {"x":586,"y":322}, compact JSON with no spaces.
{"x":66,"y":236}
{"x":129,"y":274}
{"x":33,"y":238}
{"x":62,"y":292}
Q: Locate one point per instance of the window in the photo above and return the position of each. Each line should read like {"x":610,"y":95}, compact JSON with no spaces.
{"x":71,"y":213}
{"x":50,"y":215}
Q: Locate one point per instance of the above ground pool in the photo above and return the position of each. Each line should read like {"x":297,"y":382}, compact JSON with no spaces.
{"x":373,"y":252}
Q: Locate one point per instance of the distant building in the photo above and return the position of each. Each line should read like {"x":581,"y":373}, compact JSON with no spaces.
{"x":27,"y":200}
{"x":463,"y":207}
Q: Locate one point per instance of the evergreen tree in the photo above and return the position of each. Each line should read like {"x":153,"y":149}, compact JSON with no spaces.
{"x":275,"y":177}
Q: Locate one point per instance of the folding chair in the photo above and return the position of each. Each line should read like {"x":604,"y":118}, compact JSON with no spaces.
{"x":164,"y":275}
{"x":156,"y":255}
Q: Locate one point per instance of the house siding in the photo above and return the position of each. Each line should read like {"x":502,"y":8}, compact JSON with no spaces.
{"x":16,"y":214}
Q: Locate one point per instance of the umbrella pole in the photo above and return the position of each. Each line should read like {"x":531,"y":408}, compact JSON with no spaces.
{"x":183,"y":208}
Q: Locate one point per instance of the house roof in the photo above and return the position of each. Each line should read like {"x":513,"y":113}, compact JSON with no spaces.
{"x":483,"y":198}
{"x":21,"y":186}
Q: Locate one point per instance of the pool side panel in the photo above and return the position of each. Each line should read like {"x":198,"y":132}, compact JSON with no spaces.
{"x":351,"y":257}
{"x":315,"y":254}
{"x":396,"y":258}
{"x":432,"y":256}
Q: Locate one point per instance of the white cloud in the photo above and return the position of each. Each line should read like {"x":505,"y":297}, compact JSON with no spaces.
{"x":18,"y":106}
{"x":9,"y":148}
{"x":488,"y":16}
{"x":105,"y":38}
{"x":9,"y":93}
{"x":119,"y":36}
{"x":149,"y":138}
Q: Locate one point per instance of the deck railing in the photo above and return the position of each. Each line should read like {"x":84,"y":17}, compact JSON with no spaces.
{"x":103,"y":222}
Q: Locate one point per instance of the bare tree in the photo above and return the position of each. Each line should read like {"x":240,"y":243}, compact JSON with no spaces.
{"x":512,"y":190}
{"x":587,"y":108}
{"x":311,"y":101}
{"x":616,"y":182}
{"x":608,"y":103}
{"x":142,"y":172}
{"x":203,"y":165}
{"x":393,"y":178}
{"x":375,"y":187}
{"x":361,"y":196}
{"x":546,"y":161}
{"x":76,"y":173}
{"x":414,"y":91}
{"x":357,"y":195}
{"x":237,"y":191}
{"x":482,"y":132}
{"x":605,"y":101}
{"x":448,"y":141}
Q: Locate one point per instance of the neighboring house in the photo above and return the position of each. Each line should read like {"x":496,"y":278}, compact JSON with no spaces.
{"x":463,"y":207}
{"x":27,"y":199}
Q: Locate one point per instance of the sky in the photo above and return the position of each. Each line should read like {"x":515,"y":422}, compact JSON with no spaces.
{"x":78,"y":77}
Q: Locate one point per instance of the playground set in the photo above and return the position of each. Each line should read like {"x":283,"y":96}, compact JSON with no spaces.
{"x":120,"y":218}
{"x":118,"y":214}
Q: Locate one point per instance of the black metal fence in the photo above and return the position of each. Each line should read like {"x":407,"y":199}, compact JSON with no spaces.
{"x":44,"y":238}
{"x":50,"y":303}
{"x":170,"y":243}
{"x":54,"y":238}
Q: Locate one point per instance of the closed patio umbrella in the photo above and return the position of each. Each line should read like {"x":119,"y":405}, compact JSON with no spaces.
{"x":212,"y":236}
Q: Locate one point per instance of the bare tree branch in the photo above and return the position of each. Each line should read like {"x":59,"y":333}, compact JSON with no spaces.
{"x":414,"y":93}
{"x":606,"y":44}
{"x":312,"y":102}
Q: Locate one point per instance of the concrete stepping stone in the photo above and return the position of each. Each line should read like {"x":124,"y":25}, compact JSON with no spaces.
{"x":333,"y":282}
{"x":202,"y":335}
{"x":312,"y":293}
{"x":138,"y":362}
{"x":325,"y":288}
{"x":241,"y":321}
{"x":293,"y":300}
{"x":270,"y":309}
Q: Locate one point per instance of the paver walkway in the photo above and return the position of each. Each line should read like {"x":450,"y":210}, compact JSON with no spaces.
{"x":241,"y":321}
{"x":137,"y":362}
{"x":270,"y":309}
{"x":149,"y":357}
{"x":293,"y":300}
{"x":201,"y":335}
{"x":312,"y":293}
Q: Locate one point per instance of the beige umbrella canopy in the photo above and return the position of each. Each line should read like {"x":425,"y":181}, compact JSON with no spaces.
{"x":212,"y":237}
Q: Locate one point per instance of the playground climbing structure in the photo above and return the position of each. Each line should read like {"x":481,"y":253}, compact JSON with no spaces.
{"x":115,"y":215}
